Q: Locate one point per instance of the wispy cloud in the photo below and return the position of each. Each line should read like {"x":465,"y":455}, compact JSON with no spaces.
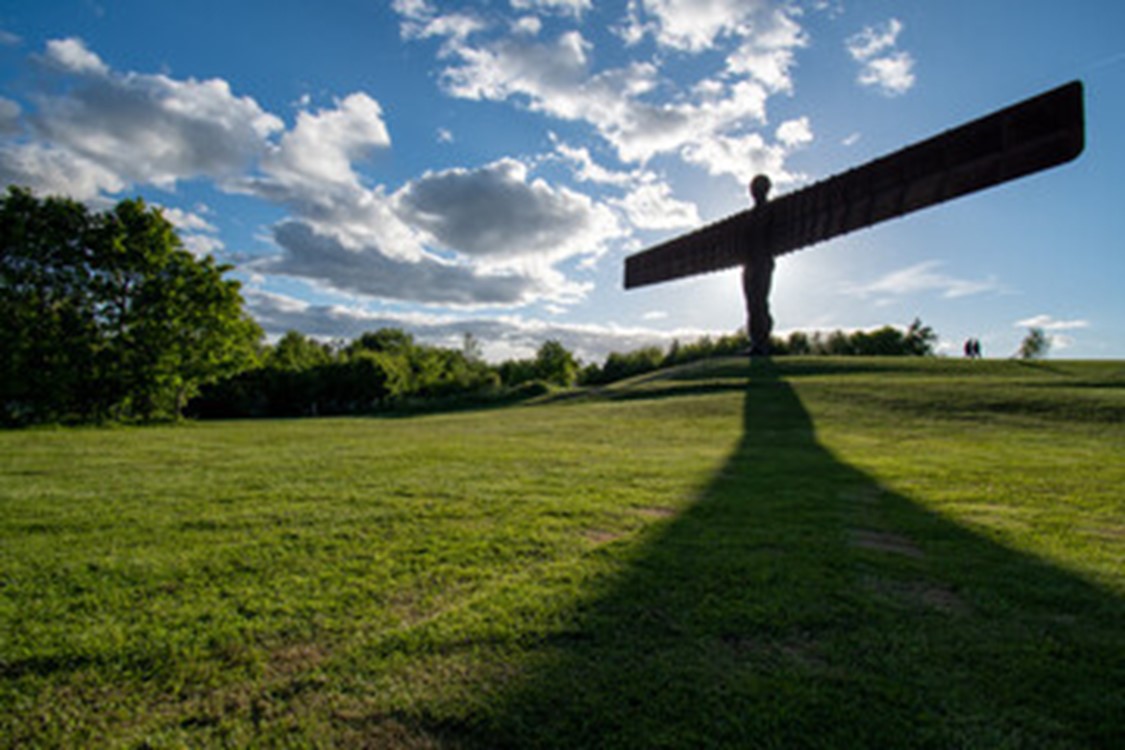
{"x":921,"y":278}
{"x":648,"y":202}
{"x":1053,"y":328}
{"x":1050,"y":323}
{"x":565,"y":7}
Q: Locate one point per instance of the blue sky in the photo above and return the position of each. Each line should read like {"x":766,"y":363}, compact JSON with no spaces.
{"x":485,"y":167}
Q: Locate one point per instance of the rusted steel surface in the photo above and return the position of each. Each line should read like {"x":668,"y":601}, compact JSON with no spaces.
{"x":1036,"y":134}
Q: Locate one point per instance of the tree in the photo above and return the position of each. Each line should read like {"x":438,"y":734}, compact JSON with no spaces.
{"x":49,"y":341}
{"x":555,"y":364}
{"x":619,"y":366}
{"x":1034,"y":345}
{"x":107,"y":315}
{"x":393,"y":340}
{"x":798,"y":343}
{"x":471,"y":347}
{"x":294,"y":352}
{"x":920,"y":339}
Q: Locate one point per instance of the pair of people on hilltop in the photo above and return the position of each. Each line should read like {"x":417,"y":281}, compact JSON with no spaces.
{"x":972,"y":348}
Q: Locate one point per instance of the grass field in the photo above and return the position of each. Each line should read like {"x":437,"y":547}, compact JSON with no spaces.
{"x":808,"y":553}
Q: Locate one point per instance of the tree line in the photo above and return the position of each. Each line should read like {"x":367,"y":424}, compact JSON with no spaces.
{"x":378,"y":371}
{"x":388,"y":370}
{"x":108,"y":317}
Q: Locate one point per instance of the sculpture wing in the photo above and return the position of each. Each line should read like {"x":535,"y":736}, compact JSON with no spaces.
{"x":1036,"y":134}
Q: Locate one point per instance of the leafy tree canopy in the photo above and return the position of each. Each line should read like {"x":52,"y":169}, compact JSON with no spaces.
{"x":1034,"y":345}
{"x":107,"y":316}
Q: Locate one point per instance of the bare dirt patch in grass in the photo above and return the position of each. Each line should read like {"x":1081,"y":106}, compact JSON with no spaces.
{"x":601,"y":536}
{"x":801,"y":650}
{"x":1108,"y":531}
{"x":919,"y":595}
{"x":653,"y":511}
{"x":295,"y":658}
{"x":884,"y":541}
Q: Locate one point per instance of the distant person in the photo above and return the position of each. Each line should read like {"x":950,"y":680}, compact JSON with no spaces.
{"x":968,"y":348}
{"x":976,"y":349}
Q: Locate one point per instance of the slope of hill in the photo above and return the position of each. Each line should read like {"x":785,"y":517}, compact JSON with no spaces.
{"x":813,"y":552}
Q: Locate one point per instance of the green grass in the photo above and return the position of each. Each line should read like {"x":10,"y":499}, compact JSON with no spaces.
{"x":817,"y":553}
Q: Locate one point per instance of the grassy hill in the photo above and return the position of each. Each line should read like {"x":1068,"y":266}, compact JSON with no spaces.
{"x":808,"y":553}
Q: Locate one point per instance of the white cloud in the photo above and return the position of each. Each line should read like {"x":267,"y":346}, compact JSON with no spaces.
{"x":651,"y":206}
{"x":422,"y":21}
{"x":311,"y":172}
{"x":647,"y":202}
{"x":496,"y":213}
{"x":587,"y":170}
{"x":462,"y":237}
{"x":893,"y":74}
{"x":107,"y":130}
{"x":1050,"y":323}
{"x":187,"y":221}
{"x":691,"y":25}
{"x":201,"y":245}
{"x":545,"y":73}
{"x":487,"y":236}
{"x":874,"y":40}
{"x":638,"y":109}
{"x":72,"y":56}
{"x":767,"y":52}
{"x":573,"y":8}
{"x":372,"y":272}
{"x":794,"y":133}
{"x":196,"y":233}
{"x":889,"y":70}
{"x":322,"y":146}
{"x":413,"y":8}
{"x":1059,"y":342}
{"x":49,"y":170}
{"x":921,"y":278}
{"x":553,"y":78}
{"x":528,"y":25}
{"x":356,"y":217}
{"x":742,"y":157}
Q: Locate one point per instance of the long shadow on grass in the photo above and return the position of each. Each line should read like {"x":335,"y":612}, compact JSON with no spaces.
{"x":800,"y":604}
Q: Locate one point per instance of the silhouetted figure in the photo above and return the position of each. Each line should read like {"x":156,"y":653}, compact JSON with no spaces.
{"x":1035,"y":134}
{"x":968,"y":348}
{"x":757,"y":276}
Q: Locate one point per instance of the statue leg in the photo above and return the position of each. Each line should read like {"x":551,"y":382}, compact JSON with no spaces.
{"x":757,"y":275}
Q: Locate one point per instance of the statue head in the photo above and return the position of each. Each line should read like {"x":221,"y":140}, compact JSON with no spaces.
{"x":759,"y":189}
